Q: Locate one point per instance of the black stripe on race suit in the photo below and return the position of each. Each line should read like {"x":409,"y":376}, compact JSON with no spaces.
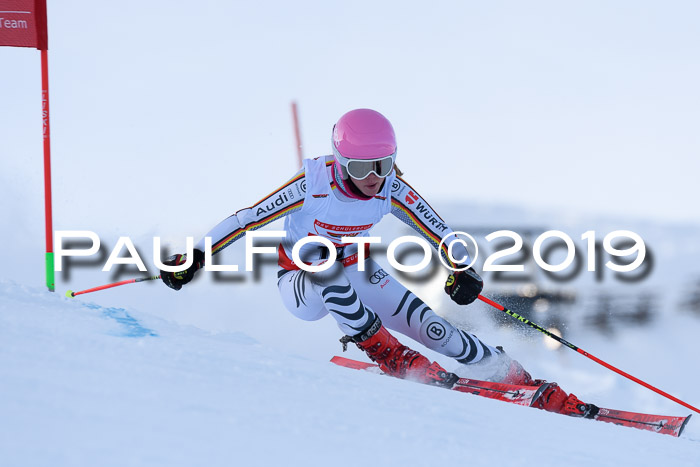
{"x":300,"y":287}
{"x":412,"y":307}
{"x":473,"y":350}
{"x":415,"y":304}
{"x":339,"y":289}
{"x":403,"y":300}
{"x":422,"y":313}
{"x":343,"y":300}
{"x":346,"y":301}
{"x":471,"y":345}
{"x":361,"y":311}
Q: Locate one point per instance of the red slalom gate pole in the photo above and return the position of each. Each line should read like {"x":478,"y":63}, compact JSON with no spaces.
{"x":71,"y":294}
{"x":583,"y":352}
{"x":297,"y":133}
{"x":46,"y":131}
{"x":25,"y":24}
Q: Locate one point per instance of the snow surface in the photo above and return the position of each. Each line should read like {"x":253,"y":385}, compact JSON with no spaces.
{"x":84,"y":384}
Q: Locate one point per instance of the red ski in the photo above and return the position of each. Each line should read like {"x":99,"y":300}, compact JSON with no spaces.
{"x":527,"y":395}
{"x":658,"y":423}
{"x":520,"y":395}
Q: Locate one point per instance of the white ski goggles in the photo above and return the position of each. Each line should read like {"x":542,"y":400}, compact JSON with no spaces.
{"x":360,"y":169}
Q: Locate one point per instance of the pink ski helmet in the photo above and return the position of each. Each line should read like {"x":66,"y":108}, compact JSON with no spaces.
{"x":364,"y":143}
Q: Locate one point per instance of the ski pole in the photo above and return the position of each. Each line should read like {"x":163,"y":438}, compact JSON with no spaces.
{"x":583,"y":352}
{"x":71,"y":294}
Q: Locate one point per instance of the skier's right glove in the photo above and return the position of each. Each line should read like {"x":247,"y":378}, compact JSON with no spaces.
{"x":175,"y":280}
{"x":464,"y":286}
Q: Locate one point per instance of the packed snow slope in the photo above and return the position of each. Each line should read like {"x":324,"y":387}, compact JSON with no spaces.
{"x":84,"y":385}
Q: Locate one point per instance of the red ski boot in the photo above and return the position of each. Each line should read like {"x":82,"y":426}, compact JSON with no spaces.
{"x":554,"y":399}
{"x":397,"y":360}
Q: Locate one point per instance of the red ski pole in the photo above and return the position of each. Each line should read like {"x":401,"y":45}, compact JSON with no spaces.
{"x":583,"y":352}
{"x":71,"y":294}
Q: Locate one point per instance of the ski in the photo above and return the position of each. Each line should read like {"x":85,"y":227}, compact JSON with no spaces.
{"x":515,"y":394}
{"x":664,"y":424}
{"x":527,"y":395}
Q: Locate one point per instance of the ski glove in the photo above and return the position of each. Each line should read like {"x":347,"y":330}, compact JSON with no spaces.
{"x":175,"y":280}
{"x":464,"y":286}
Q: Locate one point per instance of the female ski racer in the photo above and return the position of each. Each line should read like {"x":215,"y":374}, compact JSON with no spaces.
{"x":344,"y":195}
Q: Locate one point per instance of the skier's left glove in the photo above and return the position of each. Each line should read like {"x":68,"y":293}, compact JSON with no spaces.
{"x":464,"y":286}
{"x":175,"y":280}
